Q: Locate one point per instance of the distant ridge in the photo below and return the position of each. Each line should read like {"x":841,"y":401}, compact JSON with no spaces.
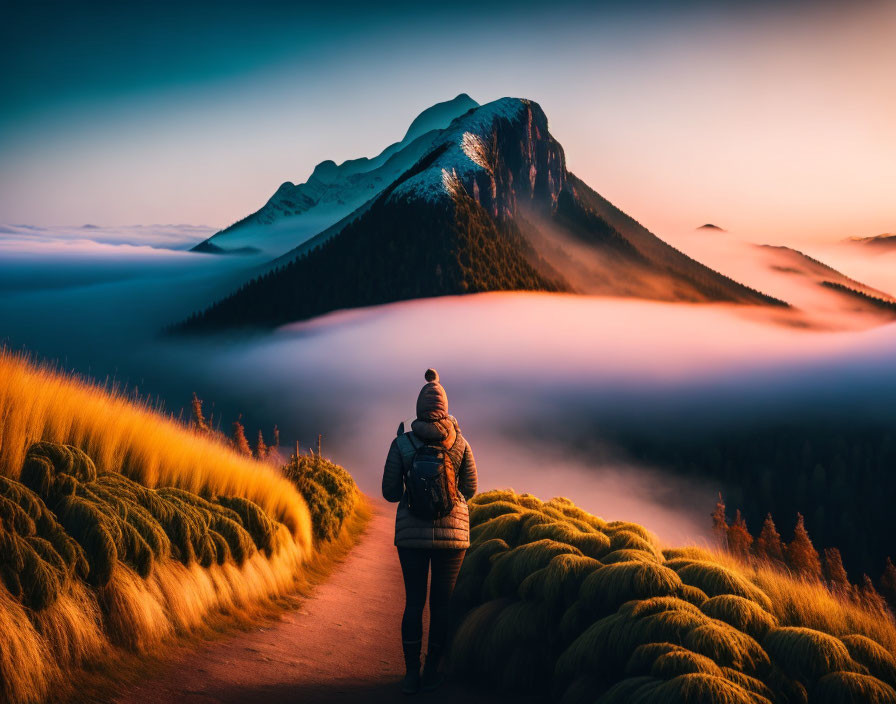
{"x":710,"y":226}
{"x":882,"y":242}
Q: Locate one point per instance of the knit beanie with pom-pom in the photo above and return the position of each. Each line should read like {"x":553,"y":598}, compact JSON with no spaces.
{"x":432,"y":403}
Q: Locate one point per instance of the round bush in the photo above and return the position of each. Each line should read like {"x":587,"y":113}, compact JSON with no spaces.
{"x":469,"y":642}
{"x":510,"y":568}
{"x":592,"y":544}
{"x":487,"y":497}
{"x":696,"y":688}
{"x":879,"y":661}
{"x":558,"y":584}
{"x":805,"y":654}
{"x":692,"y":595}
{"x":569,"y":509}
{"x":480,"y":513}
{"x":743,"y":614}
{"x":642,"y":658}
{"x":715,"y":580}
{"x":605,"y":589}
{"x":683,"y":662}
{"x":477,"y":562}
{"x":852,"y":688}
{"x":628,"y":555}
{"x":625,"y":690}
{"x":751,"y":684}
{"x":505,"y":527}
{"x":628,"y":540}
{"x":690,"y":552}
{"x":728,"y":647}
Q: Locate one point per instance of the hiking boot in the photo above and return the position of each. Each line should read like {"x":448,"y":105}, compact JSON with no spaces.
{"x":411,"y":682}
{"x":432,"y":677}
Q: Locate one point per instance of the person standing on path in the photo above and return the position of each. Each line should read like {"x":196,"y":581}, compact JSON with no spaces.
{"x":431,"y":473}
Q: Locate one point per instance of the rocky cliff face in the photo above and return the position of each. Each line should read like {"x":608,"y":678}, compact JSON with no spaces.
{"x":501,"y":154}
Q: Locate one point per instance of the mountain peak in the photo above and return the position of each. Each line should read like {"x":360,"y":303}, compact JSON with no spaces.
{"x":437,"y":116}
{"x":462,"y":156}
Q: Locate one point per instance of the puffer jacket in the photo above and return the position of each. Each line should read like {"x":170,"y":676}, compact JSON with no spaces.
{"x":451,"y":531}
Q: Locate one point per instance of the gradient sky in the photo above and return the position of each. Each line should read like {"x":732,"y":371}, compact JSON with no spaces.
{"x":774,"y":120}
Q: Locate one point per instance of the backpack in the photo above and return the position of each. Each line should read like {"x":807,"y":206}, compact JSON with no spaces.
{"x":430,"y":479}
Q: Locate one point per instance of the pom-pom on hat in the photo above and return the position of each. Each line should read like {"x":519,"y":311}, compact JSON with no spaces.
{"x":432,"y":403}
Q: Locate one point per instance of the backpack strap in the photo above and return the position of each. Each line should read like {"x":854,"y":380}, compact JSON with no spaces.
{"x":407,"y":447}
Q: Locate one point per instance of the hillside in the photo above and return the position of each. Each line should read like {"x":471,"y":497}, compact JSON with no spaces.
{"x":885,"y":242}
{"x":121,"y":529}
{"x":557,"y":601}
{"x":491,"y":206}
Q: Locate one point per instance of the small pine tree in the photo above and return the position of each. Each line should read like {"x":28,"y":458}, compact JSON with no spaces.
{"x":261,"y":450}
{"x":834,"y":572}
{"x":801,"y":554}
{"x":870,"y":598}
{"x":888,"y":583}
{"x":199,"y":421}
{"x":238,"y":438}
{"x":719,"y":523}
{"x":768,"y":545}
{"x":739,"y":538}
{"x":276,"y":445}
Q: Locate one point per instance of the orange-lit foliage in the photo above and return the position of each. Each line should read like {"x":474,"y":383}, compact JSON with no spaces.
{"x":84,"y":624}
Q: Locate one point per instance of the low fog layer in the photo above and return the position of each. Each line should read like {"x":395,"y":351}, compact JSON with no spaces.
{"x":520,"y":370}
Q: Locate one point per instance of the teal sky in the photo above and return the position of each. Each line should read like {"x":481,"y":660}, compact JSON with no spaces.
{"x":775,"y":118}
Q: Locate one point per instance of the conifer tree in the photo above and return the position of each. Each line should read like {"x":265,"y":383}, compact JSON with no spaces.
{"x":719,"y":523}
{"x":199,"y":421}
{"x":768,"y":545}
{"x":261,"y":450}
{"x":870,"y":597}
{"x":888,"y":583}
{"x":739,"y":538}
{"x":276,"y":445}
{"x":834,"y":572}
{"x":238,"y":438}
{"x":801,"y":554}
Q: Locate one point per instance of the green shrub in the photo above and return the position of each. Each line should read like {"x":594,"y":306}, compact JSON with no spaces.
{"x":509,"y":569}
{"x":638,"y":624}
{"x":65,"y":520}
{"x":329,"y":491}
{"x":558,"y":584}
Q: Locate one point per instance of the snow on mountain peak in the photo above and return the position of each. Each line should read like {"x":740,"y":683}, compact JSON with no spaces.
{"x":464,"y":151}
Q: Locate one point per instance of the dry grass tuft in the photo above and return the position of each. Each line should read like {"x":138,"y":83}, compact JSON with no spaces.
{"x":807,"y":655}
{"x":120,"y":529}
{"x":743,"y":614}
{"x":643,"y":625}
{"x":852,"y":688}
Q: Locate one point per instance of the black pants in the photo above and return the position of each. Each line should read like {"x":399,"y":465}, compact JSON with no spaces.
{"x":415,"y":567}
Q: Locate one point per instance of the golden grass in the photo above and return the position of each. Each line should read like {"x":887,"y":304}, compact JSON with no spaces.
{"x":122,"y":435}
{"x":100,"y":679}
{"x":643,"y":624}
{"x":104,"y":632}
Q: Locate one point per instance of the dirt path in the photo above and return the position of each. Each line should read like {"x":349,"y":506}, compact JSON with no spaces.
{"x":342,"y":645}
